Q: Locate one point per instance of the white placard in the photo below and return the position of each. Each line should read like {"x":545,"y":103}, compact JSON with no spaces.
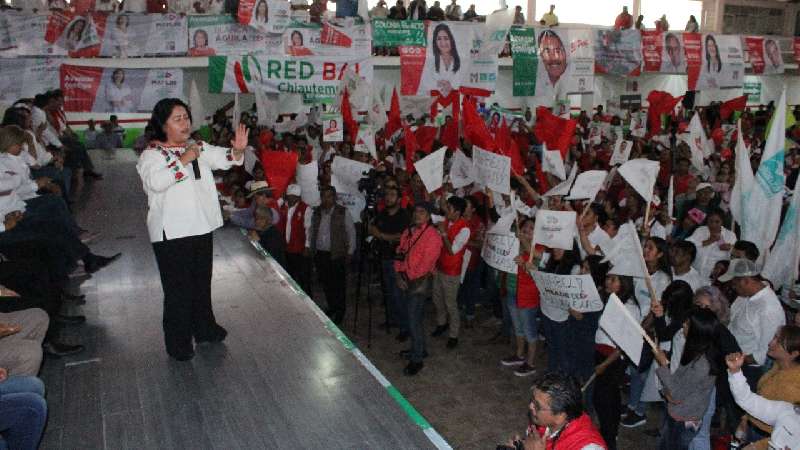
{"x":587,"y":185}
{"x":564,"y":292}
{"x":499,"y":251}
{"x":492,"y":170}
{"x":563,"y":187}
{"x":346,"y":173}
{"x":622,"y":328}
{"x":431,"y":169}
{"x":641,"y":174}
{"x":622,"y":152}
{"x":306,"y":176}
{"x":555,"y":229}
{"x":623,"y":252}
{"x":462,"y":171}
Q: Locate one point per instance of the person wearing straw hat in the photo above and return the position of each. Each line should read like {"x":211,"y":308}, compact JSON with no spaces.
{"x":260,"y":194}
{"x":755,"y":316}
{"x":183,"y":212}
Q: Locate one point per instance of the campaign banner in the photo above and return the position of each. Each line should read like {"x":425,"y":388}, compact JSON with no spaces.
{"x":394,"y":33}
{"x":492,"y":170}
{"x":665,"y":52}
{"x":765,"y":55}
{"x":115,"y":90}
{"x":499,"y":251}
{"x":333,"y":127}
{"x":618,"y":52}
{"x":39,"y":75}
{"x":80,"y":35}
{"x":266,"y":16}
{"x":24,"y":35}
{"x":796,"y":49}
{"x":524,"y":63}
{"x":316,"y":77}
{"x":344,"y":38}
{"x":222,"y":35}
{"x":566,"y":62}
{"x":565,"y":292}
{"x":721,"y":63}
{"x":458,"y":55}
{"x":133,"y":35}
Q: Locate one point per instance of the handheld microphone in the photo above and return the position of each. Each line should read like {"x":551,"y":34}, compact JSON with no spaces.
{"x":195,"y":164}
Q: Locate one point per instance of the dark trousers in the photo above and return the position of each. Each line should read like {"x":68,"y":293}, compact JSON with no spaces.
{"x":608,"y":399}
{"x":580,"y":345}
{"x":299,"y":267}
{"x":675,"y":435}
{"x":47,"y":242}
{"x":185,"y":266}
{"x":76,"y":156}
{"x":556,"y":335}
{"x":392,"y":296}
{"x":52,"y":208}
{"x":416,"y":326}
{"x":332,"y":275}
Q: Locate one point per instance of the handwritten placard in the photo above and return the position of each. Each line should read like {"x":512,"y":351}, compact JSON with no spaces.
{"x":564,"y":292}
{"x":499,"y":251}
{"x":492,"y":170}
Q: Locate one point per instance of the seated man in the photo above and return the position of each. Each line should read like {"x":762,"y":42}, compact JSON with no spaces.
{"x":23,"y":411}
{"x":268,"y":235}
{"x":21,"y":352}
{"x":108,"y":140}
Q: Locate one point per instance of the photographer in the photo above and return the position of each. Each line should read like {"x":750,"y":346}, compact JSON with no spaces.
{"x":386,"y":229}
{"x":419,"y":249}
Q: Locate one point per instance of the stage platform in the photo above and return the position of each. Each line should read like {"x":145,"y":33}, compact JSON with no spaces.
{"x":286,"y":377}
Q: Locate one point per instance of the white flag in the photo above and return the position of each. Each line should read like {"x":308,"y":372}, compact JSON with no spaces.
{"x":781,"y":263}
{"x":431,"y":169}
{"x":306,"y":176}
{"x":587,"y":185}
{"x":762,"y":205}
{"x":377,"y":112}
{"x":618,"y":323}
{"x":641,"y":174}
{"x":622,"y":152}
{"x":266,"y":108}
{"x":743,"y":184}
{"x":552,"y":162}
{"x":196,"y":104}
{"x":563,"y":187}
{"x":462,"y":171}
{"x":623,"y":252}
{"x":698,"y":143}
{"x":346,"y":173}
{"x":555,"y":229}
{"x":365,"y":140}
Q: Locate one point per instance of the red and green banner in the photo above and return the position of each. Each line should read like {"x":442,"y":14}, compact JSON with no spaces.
{"x":116,"y":90}
{"x":765,"y":55}
{"x":525,"y":61}
{"x":80,"y":35}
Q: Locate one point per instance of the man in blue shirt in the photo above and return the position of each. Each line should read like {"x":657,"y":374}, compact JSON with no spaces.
{"x":346,"y":8}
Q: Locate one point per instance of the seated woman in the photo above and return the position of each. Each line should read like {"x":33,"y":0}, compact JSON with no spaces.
{"x":23,"y":411}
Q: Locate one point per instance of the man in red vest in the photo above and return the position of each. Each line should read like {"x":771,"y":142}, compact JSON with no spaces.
{"x":455,"y":236}
{"x":295,"y":220}
{"x":559,"y":420}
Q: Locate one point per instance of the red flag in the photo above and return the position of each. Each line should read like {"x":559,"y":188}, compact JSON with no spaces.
{"x":508,"y":147}
{"x":660,"y":103}
{"x":395,"y":122}
{"x":453,"y":100}
{"x":541,"y":179}
{"x":554,"y":131}
{"x":279,"y":169}
{"x":424,"y":137}
{"x":350,"y":124}
{"x":411,"y":147}
{"x":449,"y":136}
{"x":475,"y":128}
{"x":732,"y":105}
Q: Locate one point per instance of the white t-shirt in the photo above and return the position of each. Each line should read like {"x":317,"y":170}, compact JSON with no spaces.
{"x":660,"y":282}
{"x":754,"y":321}
{"x":693,"y":278}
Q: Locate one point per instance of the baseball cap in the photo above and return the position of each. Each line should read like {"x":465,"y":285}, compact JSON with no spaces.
{"x":739,"y":268}
{"x":294,"y":189}
{"x":701,"y":186}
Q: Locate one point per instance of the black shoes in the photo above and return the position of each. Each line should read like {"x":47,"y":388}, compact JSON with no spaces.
{"x":74,"y":299}
{"x":58,"y":350}
{"x":182,"y":356}
{"x":412,"y":368}
{"x":93,"y":175}
{"x":440,"y":330}
{"x":452,"y":343}
{"x":406,"y":354}
{"x":217,"y":335}
{"x":69,"y":320}
{"x":92,"y":263}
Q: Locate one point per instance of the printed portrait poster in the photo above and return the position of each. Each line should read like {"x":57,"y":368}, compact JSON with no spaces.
{"x":618,"y":52}
{"x":222,"y":35}
{"x":24,"y":35}
{"x":133,"y":35}
{"x":566,"y":62}
{"x":80,"y":35}
{"x":116,"y":90}
{"x":332,"y":127}
{"x":267,"y":16}
{"x":664,"y":52}
{"x":458,"y":55}
{"x":721,"y":63}
{"x":40,"y":75}
{"x":301,"y":41}
{"x":765,"y":55}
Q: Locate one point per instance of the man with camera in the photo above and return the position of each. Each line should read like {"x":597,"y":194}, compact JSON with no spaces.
{"x":386,"y":229}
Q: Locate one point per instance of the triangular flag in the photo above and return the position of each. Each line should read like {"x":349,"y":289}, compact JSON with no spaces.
{"x":731,"y":106}
{"x":425,"y":135}
{"x":449,"y":135}
{"x":475,"y":128}
{"x":623,"y":252}
{"x":394,"y":122}
{"x":587,"y":185}
{"x":553,"y":163}
{"x":698,"y":143}
{"x":554,"y":131}
{"x":411,"y":147}
{"x":743,"y":183}
{"x":781,"y":264}
{"x":350,"y":124}
{"x":641,"y":174}
{"x":660,"y":103}
{"x":365,"y":141}
{"x":623,"y":329}
{"x":563,"y":187}
{"x":377,"y":112}
{"x":431,"y":169}
{"x":279,"y":170}
{"x":508,"y":147}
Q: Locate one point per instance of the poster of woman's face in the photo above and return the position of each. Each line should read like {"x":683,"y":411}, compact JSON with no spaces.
{"x":200,"y":39}
{"x":261,"y":14}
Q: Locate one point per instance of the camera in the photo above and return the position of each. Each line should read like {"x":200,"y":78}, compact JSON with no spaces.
{"x":371,"y":187}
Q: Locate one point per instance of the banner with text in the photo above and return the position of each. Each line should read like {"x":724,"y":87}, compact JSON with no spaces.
{"x":499,"y":251}
{"x":721,"y":62}
{"x":566,"y":62}
{"x":565,"y":292}
{"x":266,"y":16}
{"x":394,"y":33}
{"x":765,"y":55}
{"x":98,"y":89}
{"x":80,"y":35}
{"x":618,"y":52}
{"x":666,"y":52}
{"x":222,"y":35}
{"x":23,"y":35}
{"x":39,"y":75}
{"x":525,"y":56}
{"x":130,"y":35}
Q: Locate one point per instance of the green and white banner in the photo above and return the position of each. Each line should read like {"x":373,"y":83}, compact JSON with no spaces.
{"x":523,"y":47}
{"x":394,"y":33}
{"x":314,"y":76}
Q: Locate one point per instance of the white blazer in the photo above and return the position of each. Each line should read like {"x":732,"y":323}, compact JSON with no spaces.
{"x":178,"y":205}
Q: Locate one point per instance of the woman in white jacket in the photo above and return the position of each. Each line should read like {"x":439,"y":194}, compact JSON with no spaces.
{"x":713,"y":242}
{"x":183,"y":212}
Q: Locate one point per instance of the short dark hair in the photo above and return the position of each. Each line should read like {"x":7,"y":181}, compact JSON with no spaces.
{"x":686,"y":247}
{"x":328,"y":188}
{"x":750,"y":250}
{"x":564,"y":391}
{"x":15,"y":116}
{"x":458,"y":203}
{"x":161,"y":113}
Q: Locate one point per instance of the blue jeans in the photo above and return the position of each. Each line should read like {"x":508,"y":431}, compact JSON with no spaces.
{"x":50,"y":207}
{"x":23,"y":413}
{"x":523,"y":319}
{"x":416,"y":329}
{"x":580,"y":345}
{"x":637,"y":387}
{"x":398,"y":313}
{"x":470,"y":290}
{"x":675,"y":435}
{"x":556,"y":334}
{"x":702,"y":440}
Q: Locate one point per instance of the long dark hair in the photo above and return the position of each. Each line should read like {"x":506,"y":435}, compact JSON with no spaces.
{"x":678,"y":300}
{"x":663,"y":262}
{"x":702,"y":338}
{"x":708,"y":56}
{"x":453,"y":49}
{"x":161,"y":113}
{"x":564,"y":265}
{"x":197,"y":33}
